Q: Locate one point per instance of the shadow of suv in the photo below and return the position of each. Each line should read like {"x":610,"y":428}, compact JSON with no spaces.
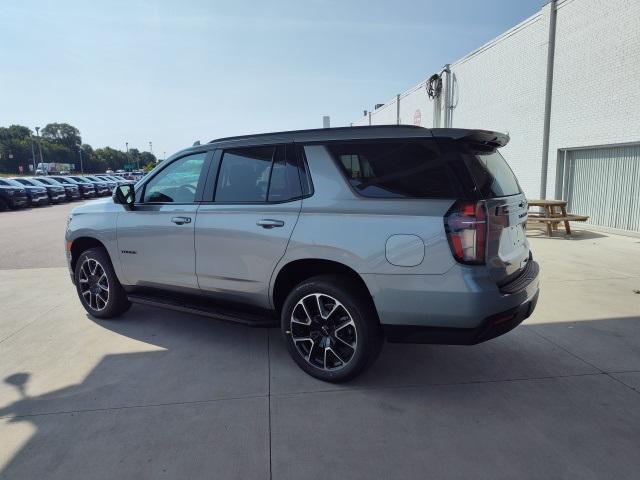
{"x":340,"y":236}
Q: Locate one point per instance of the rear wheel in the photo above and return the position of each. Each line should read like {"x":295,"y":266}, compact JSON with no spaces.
{"x":331,"y":328}
{"x":100,"y":292}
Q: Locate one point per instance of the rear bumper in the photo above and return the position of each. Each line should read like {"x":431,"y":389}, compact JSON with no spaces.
{"x":462,"y":306}
{"x":491,"y":327}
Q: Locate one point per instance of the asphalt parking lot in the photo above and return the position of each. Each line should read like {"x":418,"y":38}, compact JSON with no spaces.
{"x":159,"y":394}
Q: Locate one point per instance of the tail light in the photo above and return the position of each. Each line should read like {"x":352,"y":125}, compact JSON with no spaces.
{"x":466,"y":227}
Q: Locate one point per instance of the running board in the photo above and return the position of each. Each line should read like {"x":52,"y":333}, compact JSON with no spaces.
{"x":204,"y":308}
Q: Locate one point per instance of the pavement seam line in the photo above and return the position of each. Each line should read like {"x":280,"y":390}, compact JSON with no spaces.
{"x":604,"y":372}
{"x":440,"y":384}
{"x":126,"y":407}
{"x":293,"y":394}
{"x":35,"y":319}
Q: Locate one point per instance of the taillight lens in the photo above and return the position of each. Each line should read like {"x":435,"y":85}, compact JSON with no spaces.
{"x":466,"y":227}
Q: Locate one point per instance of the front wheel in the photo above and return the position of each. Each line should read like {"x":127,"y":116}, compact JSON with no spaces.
{"x":100,"y":292}
{"x":331,"y":328}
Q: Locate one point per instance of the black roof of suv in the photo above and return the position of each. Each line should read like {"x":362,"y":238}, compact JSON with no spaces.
{"x":491,"y":139}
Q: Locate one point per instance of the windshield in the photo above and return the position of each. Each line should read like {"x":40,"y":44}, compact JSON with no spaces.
{"x":41,"y":181}
{"x":24,"y":181}
{"x":11,"y":182}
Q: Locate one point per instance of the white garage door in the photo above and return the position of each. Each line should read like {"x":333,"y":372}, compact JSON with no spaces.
{"x":604,"y":183}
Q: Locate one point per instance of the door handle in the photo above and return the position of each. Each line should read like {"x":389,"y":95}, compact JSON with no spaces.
{"x":269,"y":223}
{"x":181,"y":220}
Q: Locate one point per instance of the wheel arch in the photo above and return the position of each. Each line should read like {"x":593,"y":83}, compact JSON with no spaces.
{"x":82,"y":244}
{"x":296,"y":271}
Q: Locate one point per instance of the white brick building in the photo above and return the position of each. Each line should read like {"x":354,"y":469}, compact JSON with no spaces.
{"x":594,"y":115}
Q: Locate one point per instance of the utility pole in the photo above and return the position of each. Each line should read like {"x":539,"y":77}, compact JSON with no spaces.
{"x":126,"y":146}
{"x":33,"y":156}
{"x":40,"y":150}
{"x":80,"y":153}
{"x":151,"y":148}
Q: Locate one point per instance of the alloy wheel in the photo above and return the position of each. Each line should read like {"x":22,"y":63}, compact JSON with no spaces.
{"x":94,"y":284}
{"x":323,"y":332}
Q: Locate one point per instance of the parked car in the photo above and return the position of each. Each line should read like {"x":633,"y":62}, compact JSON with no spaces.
{"x":341,"y":236}
{"x":87,"y":190}
{"x":109,"y":183}
{"x":56,"y":193}
{"x":72,"y":192}
{"x":113,"y":178}
{"x":36,"y":195}
{"x":101,"y":188}
{"x":12,"y":196}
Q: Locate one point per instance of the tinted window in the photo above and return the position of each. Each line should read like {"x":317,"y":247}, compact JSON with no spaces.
{"x":285,"y":182}
{"x":176,"y":183}
{"x":244,"y":175}
{"x":304,"y":175}
{"x":23,"y":181}
{"x":5,"y":184}
{"x":399,"y":170}
{"x":492,"y":174}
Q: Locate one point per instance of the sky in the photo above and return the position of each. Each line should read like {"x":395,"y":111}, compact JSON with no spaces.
{"x":173,"y":72}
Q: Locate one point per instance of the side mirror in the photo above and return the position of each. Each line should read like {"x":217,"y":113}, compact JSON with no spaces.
{"x":124,"y":195}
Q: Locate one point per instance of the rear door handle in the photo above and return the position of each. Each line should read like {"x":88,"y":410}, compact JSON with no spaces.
{"x":269,"y":223}
{"x":181,"y":220}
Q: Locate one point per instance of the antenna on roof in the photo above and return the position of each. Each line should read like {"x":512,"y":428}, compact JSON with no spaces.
{"x":196,"y":143}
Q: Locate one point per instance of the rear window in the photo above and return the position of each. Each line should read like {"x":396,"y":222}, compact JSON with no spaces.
{"x":398,"y":169}
{"x":491,"y":174}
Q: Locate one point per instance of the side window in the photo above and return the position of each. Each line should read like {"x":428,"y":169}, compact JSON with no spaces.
{"x":296,"y":152}
{"x":177,"y":183}
{"x":397,"y":169}
{"x":285,"y":181}
{"x":244,"y":175}
{"x":258,"y":174}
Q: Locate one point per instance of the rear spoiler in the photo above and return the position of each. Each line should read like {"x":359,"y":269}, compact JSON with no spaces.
{"x":485,"y":138}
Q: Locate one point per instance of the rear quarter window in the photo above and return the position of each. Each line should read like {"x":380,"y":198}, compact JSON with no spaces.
{"x":401,"y":169}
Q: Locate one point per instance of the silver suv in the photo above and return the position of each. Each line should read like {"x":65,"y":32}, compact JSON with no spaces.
{"x":340,"y":236}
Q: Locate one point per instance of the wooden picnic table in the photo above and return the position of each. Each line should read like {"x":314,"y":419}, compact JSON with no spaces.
{"x":554,"y":212}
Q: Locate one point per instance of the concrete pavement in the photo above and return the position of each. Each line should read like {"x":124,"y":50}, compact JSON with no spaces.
{"x":159,"y":394}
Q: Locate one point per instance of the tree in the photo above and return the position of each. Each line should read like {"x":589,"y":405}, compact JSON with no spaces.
{"x":15,"y":148}
{"x":61,"y":143}
{"x":110,"y":158}
{"x":62,"y":134}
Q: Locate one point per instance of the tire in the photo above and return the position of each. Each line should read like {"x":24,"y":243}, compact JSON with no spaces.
{"x":95,"y":279}
{"x":331,"y":328}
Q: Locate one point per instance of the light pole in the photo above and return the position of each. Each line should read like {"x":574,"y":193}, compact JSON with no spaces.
{"x":150,"y":148}
{"x":33,"y":156}
{"x":40,"y":150}
{"x":126,"y":146}
{"x":80,"y":153}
